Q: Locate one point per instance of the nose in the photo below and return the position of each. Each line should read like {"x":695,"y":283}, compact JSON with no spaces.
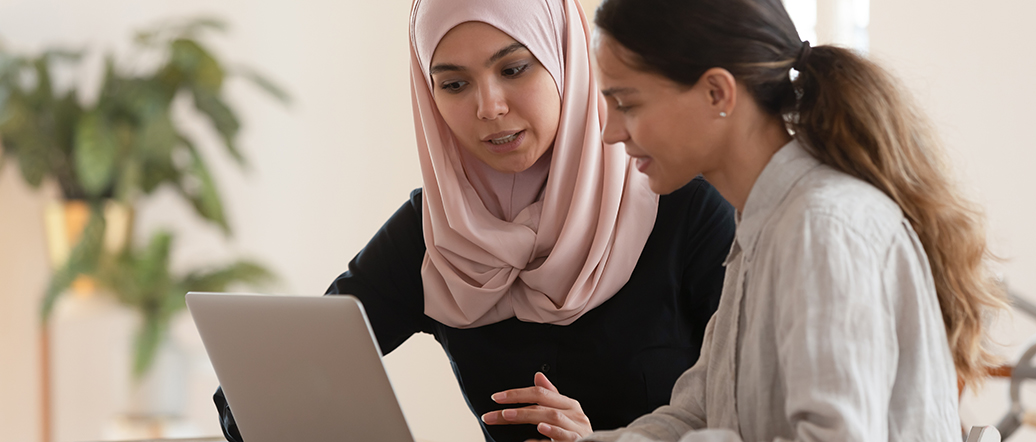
{"x":614,"y":128}
{"x":492,"y":101}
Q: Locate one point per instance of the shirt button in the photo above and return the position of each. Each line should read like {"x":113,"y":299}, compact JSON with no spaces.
{"x":545,"y":368}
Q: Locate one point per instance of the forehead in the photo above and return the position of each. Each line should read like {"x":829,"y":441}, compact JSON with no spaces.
{"x":610,"y":64}
{"x":617,"y":77}
{"x":470,"y":41}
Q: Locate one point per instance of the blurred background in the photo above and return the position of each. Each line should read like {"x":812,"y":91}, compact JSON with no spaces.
{"x":323,"y":169}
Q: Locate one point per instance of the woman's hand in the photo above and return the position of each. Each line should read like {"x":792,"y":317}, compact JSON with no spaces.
{"x":556,"y":416}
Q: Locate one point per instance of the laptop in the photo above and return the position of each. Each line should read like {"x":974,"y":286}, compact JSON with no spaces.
{"x":299,"y":368}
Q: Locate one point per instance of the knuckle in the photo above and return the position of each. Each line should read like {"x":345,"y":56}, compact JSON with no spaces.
{"x":556,"y":415}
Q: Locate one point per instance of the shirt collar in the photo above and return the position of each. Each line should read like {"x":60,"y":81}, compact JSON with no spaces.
{"x":786,"y":167}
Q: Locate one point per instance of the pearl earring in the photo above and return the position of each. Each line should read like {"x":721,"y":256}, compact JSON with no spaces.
{"x":723,"y":114}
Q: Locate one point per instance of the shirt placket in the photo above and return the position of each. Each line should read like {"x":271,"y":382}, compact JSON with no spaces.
{"x":723,"y":371}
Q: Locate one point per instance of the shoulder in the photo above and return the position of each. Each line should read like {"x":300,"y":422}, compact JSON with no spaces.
{"x":410,"y":212}
{"x":828,"y":202}
{"x":416,"y":199}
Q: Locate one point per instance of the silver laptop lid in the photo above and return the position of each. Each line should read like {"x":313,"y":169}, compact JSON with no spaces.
{"x":299,"y":368}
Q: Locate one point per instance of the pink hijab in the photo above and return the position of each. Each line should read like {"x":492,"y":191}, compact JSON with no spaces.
{"x":545,"y":245}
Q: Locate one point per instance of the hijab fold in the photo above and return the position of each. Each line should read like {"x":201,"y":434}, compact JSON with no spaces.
{"x":544,"y":245}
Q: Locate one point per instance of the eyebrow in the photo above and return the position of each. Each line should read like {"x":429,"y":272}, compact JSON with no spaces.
{"x":446,"y":67}
{"x":611,"y":92}
{"x":505,"y":52}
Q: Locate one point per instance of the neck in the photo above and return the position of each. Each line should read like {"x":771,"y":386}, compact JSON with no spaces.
{"x":754,"y":137}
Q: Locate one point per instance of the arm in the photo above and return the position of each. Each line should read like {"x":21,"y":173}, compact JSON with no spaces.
{"x":386,"y":277}
{"x":836,"y":348}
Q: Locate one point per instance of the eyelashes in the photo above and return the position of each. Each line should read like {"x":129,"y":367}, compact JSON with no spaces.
{"x":453,"y":86}
{"x":510,"y":72}
{"x":514,"y":71}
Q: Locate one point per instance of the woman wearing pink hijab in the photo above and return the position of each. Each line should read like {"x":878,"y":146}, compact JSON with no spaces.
{"x":534,"y":250}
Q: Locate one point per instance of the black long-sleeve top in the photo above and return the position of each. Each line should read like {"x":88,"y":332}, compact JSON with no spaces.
{"x":619,"y":360}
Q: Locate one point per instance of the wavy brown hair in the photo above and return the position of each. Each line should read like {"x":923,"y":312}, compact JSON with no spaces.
{"x":850,"y":114}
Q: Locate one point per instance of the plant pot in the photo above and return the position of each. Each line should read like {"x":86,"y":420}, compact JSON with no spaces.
{"x":64,"y":223}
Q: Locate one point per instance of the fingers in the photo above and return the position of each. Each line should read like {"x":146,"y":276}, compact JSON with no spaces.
{"x":540,"y":380}
{"x":555,"y":415}
{"x":532,"y":414}
{"x":544,"y":393}
{"x":557,"y":434}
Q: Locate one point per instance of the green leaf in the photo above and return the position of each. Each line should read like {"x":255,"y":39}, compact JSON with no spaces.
{"x":174,"y":300}
{"x":159,"y":172}
{"x":23,"y":139}
{"x":96,"y":151}
{"x":130,"y":180}
{"x":146,"y":344}
{"x":152,"y":266}
{"x":34,"y":166}
{"x":67,"y":113}
{"x":246,"y":272}
{"x":223,"y":119}
{"x":116,"y":274}
{"x":198,"y":186}
{"x":157,"y":137}
{"x":44,"y":87}
{"x":204,"y":72}
{"x":82,"y":260}
{"x":263,"y":83}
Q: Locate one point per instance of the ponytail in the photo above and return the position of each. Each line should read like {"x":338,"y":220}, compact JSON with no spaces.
{"x":853,"y":117}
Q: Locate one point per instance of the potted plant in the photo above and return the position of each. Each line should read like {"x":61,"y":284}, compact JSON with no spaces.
{"x":122,"y":147}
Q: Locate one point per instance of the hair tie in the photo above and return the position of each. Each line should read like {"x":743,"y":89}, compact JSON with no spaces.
{"x":800,"y":61}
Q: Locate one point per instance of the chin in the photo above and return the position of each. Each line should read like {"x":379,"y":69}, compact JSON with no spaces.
{"x":509,"y":168}
{"x":664,"y":186}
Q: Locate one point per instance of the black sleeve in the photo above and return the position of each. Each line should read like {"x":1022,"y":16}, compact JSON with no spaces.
{"x":386,"y":277}
{"x":710,"y":242}
{"x":226,"y":417}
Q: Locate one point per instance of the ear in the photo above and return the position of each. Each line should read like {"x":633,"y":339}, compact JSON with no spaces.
{"x":722,"y":90}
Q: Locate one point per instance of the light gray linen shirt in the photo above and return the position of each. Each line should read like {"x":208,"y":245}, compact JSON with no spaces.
{"x":828,"y":328}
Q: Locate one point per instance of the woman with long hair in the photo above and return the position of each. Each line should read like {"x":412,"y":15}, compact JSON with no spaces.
{"x":857,"y":286}
{"x":535,"y":253}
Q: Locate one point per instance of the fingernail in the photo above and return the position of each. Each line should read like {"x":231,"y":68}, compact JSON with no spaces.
{"x":492,"y":418}
{"x":544,"y":427}
{"x":497,"y":397}
{"x":509,"y":414}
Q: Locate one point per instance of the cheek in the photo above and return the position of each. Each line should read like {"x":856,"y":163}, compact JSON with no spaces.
{"x":454,"y":111}
{"x":542,"y":107}
{"x":652,"y":131}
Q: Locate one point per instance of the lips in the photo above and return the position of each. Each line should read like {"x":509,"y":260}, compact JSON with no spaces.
{"x":642,"y":163}
{"x":503,"y":142}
